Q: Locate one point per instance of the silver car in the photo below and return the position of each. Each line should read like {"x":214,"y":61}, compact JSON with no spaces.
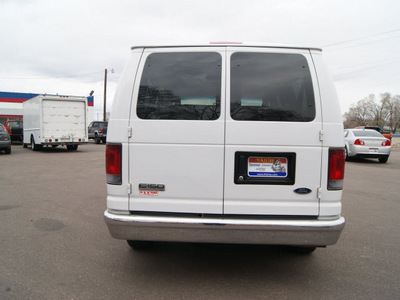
{"x":366,"y":143}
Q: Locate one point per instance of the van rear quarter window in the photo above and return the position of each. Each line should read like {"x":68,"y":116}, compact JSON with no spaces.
{"x":271,"y":87}
{"x":181,"y":86}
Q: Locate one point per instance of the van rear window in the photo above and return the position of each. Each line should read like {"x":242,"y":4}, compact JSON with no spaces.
{"x":271,"y":87}
{"x":181,"y":86}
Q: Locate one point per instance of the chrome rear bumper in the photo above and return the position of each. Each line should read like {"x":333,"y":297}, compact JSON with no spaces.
{"x":238,"y":231}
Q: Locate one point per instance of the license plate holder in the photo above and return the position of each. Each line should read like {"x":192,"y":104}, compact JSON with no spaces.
{"x":373,"y":150}
{"x":265,"y":168}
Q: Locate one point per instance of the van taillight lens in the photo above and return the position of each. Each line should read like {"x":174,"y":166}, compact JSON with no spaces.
{"x":336,"y":169}
{"x":114,"y":163}
{"x":359,"y":142}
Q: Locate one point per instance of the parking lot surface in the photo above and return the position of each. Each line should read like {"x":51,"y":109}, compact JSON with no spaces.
{"x":54,"y":243}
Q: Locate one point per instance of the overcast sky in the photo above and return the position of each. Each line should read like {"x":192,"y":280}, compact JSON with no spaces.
{"x":64,"y":46}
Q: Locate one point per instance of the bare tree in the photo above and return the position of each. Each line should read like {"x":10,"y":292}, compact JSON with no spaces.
{"x":379,"y":112}
{"x":369,"y":111}
{"x":392,"y":108}
{"x":361,"y":113}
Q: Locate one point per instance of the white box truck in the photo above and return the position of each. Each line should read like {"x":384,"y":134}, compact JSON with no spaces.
{"x":55,"y":120}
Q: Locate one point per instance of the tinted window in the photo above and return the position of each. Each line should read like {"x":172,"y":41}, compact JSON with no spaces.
{"x":180,"y":86}
{"x":271,"y":87}
{"x":368,"y":132}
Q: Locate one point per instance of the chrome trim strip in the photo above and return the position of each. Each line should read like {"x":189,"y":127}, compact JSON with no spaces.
{"x":207,"y":230}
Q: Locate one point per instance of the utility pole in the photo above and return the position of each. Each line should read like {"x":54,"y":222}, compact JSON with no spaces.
{"x":105,"y":96}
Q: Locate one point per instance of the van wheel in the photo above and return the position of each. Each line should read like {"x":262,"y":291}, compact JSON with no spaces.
{"x":72,"y":147}
{"x":140,"y":245}
{"x":302,"y":250}
{"x":8,"y":150}
{"x":97,"y":139}
{"x":25,"y":145}
{"x":383,"y":159}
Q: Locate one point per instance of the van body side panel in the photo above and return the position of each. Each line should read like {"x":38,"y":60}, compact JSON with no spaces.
{"x":332,"y":116}
{"x":282,"y":133}
{"x":178,"y":132}
{"x":117,"y":131}
{"x":330,"y":203}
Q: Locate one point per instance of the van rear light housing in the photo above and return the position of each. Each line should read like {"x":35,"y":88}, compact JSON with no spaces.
{"x":336,"y":168}
{"x":114,"y":163}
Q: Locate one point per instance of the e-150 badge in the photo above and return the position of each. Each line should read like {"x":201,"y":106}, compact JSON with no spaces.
{"x":267,"y":167}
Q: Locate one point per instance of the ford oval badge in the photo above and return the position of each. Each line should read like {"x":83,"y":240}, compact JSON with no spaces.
{"x":302,"y":191}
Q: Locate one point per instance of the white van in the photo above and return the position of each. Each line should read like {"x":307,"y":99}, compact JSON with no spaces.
{"x":225,"y":143}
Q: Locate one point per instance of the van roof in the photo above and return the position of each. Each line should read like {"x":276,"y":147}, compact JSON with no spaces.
{"x":229,"y":44}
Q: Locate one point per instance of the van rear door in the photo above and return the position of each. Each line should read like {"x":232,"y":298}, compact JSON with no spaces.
{"x":176,"y":152}
{"x":273,"y":125}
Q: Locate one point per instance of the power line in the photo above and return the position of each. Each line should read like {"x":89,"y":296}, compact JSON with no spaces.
{"x":361,"y":44}
{"x":361,"y":38}
{"x":367,"y":68}
{"x":371,"y":63}
{"x":66,"y":76}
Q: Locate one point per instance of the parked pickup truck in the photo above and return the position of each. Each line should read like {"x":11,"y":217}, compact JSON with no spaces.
{"x":97,"y":130}
{"x":15,"y":129}
{"x":386,"y":134}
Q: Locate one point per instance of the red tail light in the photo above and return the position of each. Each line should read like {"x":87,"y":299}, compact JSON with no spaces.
{"x":359,"y":142}
{"x":336,"y":169}
{"x":101,"y":129}
{"x":386,"y":143}
{"x":114,"y":163}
